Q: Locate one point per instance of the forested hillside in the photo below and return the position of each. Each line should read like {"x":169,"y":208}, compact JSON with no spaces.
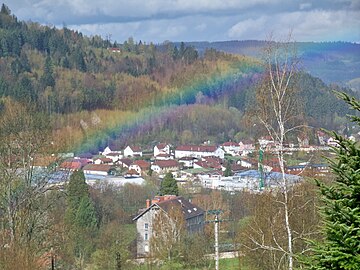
{"x":94,"y":87}
{"x":332,"y":62}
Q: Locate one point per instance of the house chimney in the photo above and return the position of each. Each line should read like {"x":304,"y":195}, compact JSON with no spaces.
{"x":147,"y":203}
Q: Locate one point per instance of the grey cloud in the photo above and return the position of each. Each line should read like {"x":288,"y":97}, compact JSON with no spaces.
{"x":187,"y":20}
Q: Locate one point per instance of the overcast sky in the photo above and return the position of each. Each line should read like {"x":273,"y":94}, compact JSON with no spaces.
{"x":198,"y":20}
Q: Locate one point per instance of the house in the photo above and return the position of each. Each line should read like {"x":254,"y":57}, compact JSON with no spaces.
{"x":133,"y":151}
{"x":98,"y":169}
{"x":246,"y":147}
{"x":103,"y":160}
{"x":73,"y":164}
{"x":267,"y":142}
{"x":332,"y":142}
{"x":132,"y":174}
{"x":188,"y":162}
{"x":161,"y":148}
{"x":114,"y":156}
{"x":85,"y":155}
{"x":140,"y":166}
{"x":193,"y":216}
{"x":209,"y":162}
{"x":231,"y":148}
{"x":111,"y":149}
{"x":246,"y":163}
{"x":125,"y":162}
{"x":199,"y":151}
{"x":163,"y":157}
{"x":164,"y":166}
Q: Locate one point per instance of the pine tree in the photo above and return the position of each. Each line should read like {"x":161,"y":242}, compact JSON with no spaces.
{"x":80,"y":217}
{"x":48,"y":78}
{"x":228,"y":171}
{"x":5,"y":10}
{"x":169,"y":185}
{"x":77,"y":189}
{"x":341,"y":246}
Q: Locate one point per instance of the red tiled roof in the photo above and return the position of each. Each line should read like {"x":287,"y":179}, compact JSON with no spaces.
{"x":105,"y":159}
{"x":247,"y":142}
{"x":135,"y":148}
{"x":142,"y":163}
{"x":97,"y":167}
{"x":132,"y":172}
{"x":113,"y":154}
{"x":202,"y":164}
{"x":197,"y":148}
{"x":161,"y":146}
{"x":167,"y":163}
{"x":71,"y":165}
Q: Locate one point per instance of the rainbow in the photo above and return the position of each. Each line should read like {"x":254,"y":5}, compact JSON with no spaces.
{"x":213,"y":87}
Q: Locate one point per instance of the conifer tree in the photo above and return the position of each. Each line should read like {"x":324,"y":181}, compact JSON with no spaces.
{"x":169,"y":185}
{"x":80,"y":217}
{"x":48,"y":78}
{"x":341,"y":228}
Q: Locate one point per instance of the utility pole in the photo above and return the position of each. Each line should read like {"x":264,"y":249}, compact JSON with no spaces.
{"x":216,"y":212}
{"x":216,"y":242}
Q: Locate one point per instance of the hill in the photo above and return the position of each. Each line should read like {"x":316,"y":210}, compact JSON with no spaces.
{"x":333,"y":62}
{"x":97,"y":92}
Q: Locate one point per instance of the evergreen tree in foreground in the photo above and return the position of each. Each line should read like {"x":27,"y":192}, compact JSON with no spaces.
{"x":80,"y":217}
{"x":169,"y":186}
{"x":341,"y":211}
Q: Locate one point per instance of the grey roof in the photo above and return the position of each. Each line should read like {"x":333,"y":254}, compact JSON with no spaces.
{"x":189,"y":209}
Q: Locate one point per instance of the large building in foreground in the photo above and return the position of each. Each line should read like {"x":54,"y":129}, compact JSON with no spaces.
{"x":193,"y":217}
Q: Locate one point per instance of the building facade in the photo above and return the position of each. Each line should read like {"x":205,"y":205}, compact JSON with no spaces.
{"x":193,"y":217}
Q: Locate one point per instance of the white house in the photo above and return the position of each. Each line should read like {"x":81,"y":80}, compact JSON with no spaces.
{"x":332,"y":142}
{"x":114,"y":156}
{"x":97,"y":169}
{"x":132,"y":151}
{"x":110,"y":149}
{"x":246,"y":147}
{"x":140,"y":166}
{"x":188,"y":162}
{"x":231,"y":148}
{"x":164,"y":166}
{"x":103,"y":160}
{"x":199,"y":151}
{"x":245,"y":163}
{"x":161,"y":149}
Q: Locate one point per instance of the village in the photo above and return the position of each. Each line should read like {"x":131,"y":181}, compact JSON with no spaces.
{"x":230,"y":166}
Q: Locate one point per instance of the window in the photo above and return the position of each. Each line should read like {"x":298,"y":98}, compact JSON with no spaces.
{"x":146,"y":236}
{"x":146,"y":225}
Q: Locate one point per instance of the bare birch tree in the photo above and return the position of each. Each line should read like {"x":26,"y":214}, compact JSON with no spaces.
{"x":168,"y":233}
{"x":278,"y":110}
{"x":24,"y":138}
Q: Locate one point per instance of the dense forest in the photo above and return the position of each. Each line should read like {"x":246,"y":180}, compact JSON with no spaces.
{"x":74,"y":78}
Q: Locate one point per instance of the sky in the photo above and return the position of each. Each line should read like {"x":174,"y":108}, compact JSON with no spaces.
{"x":198,"y":20}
